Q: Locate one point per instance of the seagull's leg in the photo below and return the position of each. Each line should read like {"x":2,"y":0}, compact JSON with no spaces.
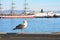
{"x":21,"y":30}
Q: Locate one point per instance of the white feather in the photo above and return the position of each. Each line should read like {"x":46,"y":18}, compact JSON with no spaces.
{"x":25,"y":23}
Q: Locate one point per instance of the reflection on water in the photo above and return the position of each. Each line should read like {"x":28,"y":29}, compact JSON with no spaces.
{"x":34,"y":25}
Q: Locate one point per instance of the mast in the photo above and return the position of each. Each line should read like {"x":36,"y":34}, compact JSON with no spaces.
{"x":25,"y":8}
{"x":12,"y":7}
{"x":0,"y":8}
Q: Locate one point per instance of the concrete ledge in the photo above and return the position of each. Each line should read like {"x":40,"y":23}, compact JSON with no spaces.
{"x":3,"y":33}
{"x":22,"y":36}
{"x":29,"y":35}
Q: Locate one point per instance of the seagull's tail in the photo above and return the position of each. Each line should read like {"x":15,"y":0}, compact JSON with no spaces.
{"x":14,"y":28}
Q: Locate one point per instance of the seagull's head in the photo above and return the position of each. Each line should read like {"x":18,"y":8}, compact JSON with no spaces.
{"x":25,"y":21}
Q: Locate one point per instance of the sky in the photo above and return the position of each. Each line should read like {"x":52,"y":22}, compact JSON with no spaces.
{"x":49,"y":5}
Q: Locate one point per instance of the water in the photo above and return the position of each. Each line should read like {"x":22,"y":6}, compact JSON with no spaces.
{"x":34,"y":25}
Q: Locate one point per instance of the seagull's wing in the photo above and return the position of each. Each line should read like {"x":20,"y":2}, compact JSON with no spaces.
{"x":20,"y":26}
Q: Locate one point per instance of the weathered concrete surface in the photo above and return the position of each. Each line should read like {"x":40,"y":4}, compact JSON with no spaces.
{"x":29,"y":36}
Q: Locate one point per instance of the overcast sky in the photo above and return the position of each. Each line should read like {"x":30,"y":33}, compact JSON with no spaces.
{"x":33,"y":4}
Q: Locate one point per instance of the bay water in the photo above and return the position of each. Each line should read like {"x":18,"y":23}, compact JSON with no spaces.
{"x":34,"y":25}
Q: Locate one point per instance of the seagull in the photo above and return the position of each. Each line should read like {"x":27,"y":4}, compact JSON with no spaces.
{"x":21,"y":26}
